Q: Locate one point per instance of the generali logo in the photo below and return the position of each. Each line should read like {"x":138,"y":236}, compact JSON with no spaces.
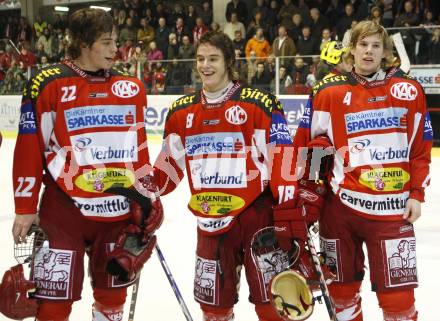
{"x":236,"y":115}
{"x":125,"y":89}
{"x":404,"y":91}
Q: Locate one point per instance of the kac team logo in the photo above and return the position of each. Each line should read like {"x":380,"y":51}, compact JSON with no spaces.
{"x":404,"y":91}
{"x":125,"y":89}
{"x":236,"y":115}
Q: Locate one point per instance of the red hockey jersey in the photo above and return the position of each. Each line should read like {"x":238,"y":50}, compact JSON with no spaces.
{"x":231,"y":152}
{"x":383,"y":137}
{"x":87,"y":133}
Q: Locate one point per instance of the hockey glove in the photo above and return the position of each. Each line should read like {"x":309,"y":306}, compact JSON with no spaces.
{"x":130,"y":253}
{"x":312,"y":196}
{"x":320,"y":157}
{"x":290,"y":224}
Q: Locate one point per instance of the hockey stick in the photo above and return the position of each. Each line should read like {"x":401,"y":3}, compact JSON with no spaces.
{"x":322,"y":284}
{"x":173,"y":284}
{"x":134,"y":294}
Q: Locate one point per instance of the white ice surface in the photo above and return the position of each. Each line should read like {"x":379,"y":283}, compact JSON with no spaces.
{"x":176,"y":237}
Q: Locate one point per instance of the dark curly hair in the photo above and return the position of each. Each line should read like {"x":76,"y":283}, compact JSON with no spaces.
{"x":221,"y":41}
{"x":85,"y":27}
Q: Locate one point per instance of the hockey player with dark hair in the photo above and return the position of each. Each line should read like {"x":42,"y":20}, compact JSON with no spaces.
{"x":231,"y":140}
{"x":375,"y":117}
{"x":81,"y":132}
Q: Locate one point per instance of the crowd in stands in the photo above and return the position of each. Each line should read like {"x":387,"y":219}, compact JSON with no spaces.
{"x":157,"y":39}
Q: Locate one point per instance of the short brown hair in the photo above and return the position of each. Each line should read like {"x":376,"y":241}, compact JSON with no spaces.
{"x":224,"y":43}
{"x":368,"y":28}
{"x":85,"y":27}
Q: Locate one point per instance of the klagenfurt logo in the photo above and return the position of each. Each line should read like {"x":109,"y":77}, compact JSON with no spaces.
{"x":125,"y":89}
{"x":236,"y":115}
{"x":404,"y":91}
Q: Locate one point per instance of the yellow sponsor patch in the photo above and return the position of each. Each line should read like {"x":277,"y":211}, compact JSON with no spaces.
{"x":98,"y":180}
{"x":385,"y":179}
{"x":215,"y":203}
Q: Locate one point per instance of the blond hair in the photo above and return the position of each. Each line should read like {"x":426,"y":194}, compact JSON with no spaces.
{"x":368,"y":28}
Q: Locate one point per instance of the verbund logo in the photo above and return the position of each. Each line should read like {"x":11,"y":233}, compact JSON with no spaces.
{"x":236,"y":115}
{"x":404,"y":91}
{"x":360,"y":145}
{"x":125,"y":89}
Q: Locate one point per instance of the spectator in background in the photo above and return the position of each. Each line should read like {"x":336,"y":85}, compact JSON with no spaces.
{"x":39,"y":25}
{"x":240,"y":8}
{"x":326,"y":37}
{"x":199,"y":30}
{"x":347,"y":34}
{"x":124,"y":5}
{"x":151,"y":18}
{"x":5,"y":60}
{"x":39,"y":51}
{"x":133,"y":15}
{"x":162,"y":13}
{"x":344,"y":22}
{"x":240,"y":67}
{"x":177,"y":13}
{"x":178,"y":75}
{"x":145,"y":33}
{"x":173,"y":47}
{"x":24,"y":32}
{"x":434,"y":47}
{"x":282,"y":46}
{"x":376,"y":15}
{"x":258,"y":44}
{"x":408,"y":18}
{"x":261,"y":8}
{"x":262,"y":78}
{"x":162,"y":36}
{"x":307,"y":45}
{"x":239,"y":43}
{"x":361,"y":9}
{"x":61,"y":53}
{"x":257,"y":22}
{"x":186,"y":51}
{"x":299,"y":76}
{"x":120,"y":22}
{"x":425,"y":38}
{"x":233,"y":25}
{"x":387,"y":9}
{"x":288,"y":9}
{"x":334,"y":11}
{"x":190,"y":17}
{"x":10,"y":29}
{"x":126,"y":50}
{"x":26,"y":57}
{"x":215,"y":26}
{"x":296,"y":31}
{"x":252,"y":62}
{"x":271,"y":18}
{"x":180,"y":30}
{"x":304,"y":10}
{"x":128,"y":32}
{"x":285,"y":80}
{"x":318,"y":23}
{"x":206,"y":13}
{"x":43,"y":62}
{"x":154,"y":54}
{"x":60,"y":23}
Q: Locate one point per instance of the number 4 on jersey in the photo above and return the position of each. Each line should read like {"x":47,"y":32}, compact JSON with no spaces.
{"x":347,"y":98}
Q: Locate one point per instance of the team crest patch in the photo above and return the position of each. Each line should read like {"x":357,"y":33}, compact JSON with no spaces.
{"x":331,"y":248}
{"x":52,"y":272}
{"x":205,"y":281}
{"x":401,"y":265}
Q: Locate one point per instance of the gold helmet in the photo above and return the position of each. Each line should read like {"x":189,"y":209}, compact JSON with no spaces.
{"x":291,"y":296}
{"x":332,"y":52}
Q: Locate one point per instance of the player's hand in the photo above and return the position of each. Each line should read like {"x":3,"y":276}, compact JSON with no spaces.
{"x":22,"y":224}
{"x":413,"y":210}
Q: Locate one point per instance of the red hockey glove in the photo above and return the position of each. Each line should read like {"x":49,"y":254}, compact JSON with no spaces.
{"x":130,"y":253}
{"x":319,"y":161}
{"x":290,"y":224}
{"x":148,"y":218}
{"x":312,"y":196}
